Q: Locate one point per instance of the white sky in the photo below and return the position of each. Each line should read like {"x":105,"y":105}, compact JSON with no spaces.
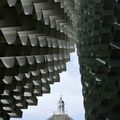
{"x":69,"y":87}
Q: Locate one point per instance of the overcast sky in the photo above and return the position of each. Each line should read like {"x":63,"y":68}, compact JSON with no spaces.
{"x":69,"y":87}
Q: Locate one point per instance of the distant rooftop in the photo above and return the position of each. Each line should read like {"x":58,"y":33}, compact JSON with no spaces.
{"x":60,"y":114}
{"x":60,"y":117}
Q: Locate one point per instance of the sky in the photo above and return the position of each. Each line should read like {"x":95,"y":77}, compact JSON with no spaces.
{"x":71,"y":90}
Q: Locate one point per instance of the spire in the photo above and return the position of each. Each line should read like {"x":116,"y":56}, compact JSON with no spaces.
{"x":61,"y":106}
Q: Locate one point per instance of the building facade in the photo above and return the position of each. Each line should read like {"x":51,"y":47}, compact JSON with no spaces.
{"x":99,"y":57}
{"x":36,"y":39}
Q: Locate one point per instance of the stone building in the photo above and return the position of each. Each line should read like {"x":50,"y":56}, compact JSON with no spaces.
{"x":60,"y":114}
{"x":60,"y":117}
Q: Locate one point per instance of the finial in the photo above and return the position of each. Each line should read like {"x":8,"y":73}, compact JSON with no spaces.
{"x":61,"y":106}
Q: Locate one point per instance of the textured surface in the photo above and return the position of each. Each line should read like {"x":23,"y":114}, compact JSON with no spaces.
{"x":99,"y":57}
{"x":36,"y":38}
